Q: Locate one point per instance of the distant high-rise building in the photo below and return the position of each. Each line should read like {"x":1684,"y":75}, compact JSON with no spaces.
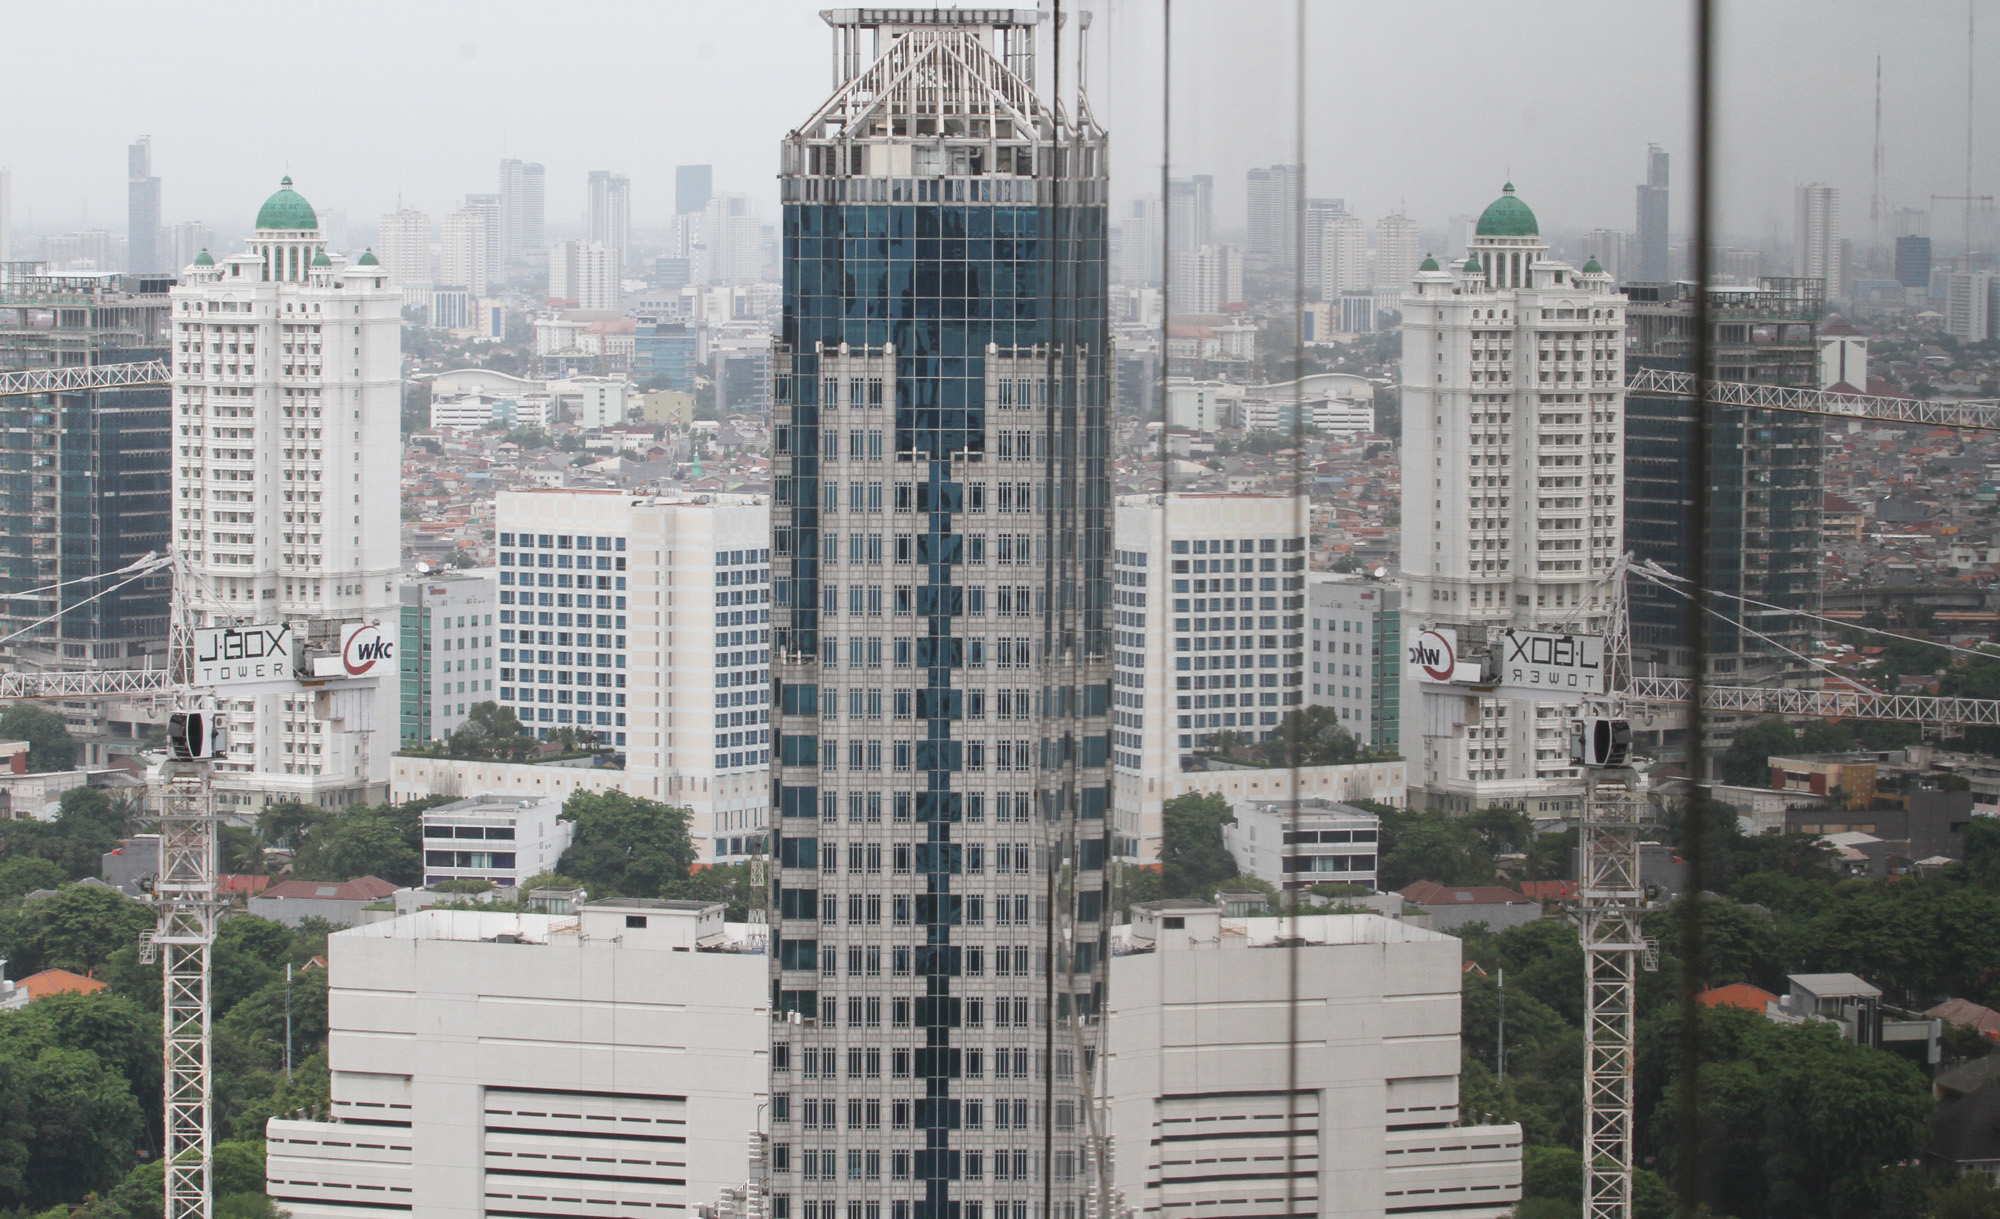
{"x":729,"y":246}
{"x":1909,"y":222}
{"x":1970,"y":304}
{"x":584,"y":273}
{"x":1343,"y":255}
{"x":1275,"y":196}
{"x":1483,"y":547}
{"x":403,"y":245}
{"x":322,"y":542}
{"x":608,"y":219}
{"x":185,"y":242}
{"x":1655,"y":256}
{"x":142,"y":209}
{"x":1816,"y":235}
{"x":6,"y":214}
{"x":1141,"y":252}
{"x":1317,"y":213}
{"x":462,"y":252}
{"x":919,"y":736}
{"x":1190,"y":212}
{"x":1398,"y":250}
{"x":1208,"y":280}
{"x":693,"y":184}
{"x":520,"y":208}
{"x":1607,"y":246}
{"x":1354,"y":635}
{"x":1913,"y":261}
{"x":490,"y":210}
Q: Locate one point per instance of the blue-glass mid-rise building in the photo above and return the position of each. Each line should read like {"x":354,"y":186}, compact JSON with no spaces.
{"x":941,"y":545}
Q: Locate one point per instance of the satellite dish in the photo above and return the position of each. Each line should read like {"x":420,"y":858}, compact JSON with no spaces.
{"x":1380,"y":573}
{"x":423,"y":568}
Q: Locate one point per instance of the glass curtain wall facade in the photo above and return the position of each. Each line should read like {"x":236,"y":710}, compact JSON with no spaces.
{"x":941,"y":549}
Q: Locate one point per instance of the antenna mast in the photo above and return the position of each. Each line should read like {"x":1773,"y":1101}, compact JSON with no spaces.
{"x":1875,"y":202}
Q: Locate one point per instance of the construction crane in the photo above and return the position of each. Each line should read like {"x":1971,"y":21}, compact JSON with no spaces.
{"x":243,"y":658}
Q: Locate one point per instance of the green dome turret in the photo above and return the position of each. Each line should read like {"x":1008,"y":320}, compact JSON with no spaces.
{"x":368,"y":258}
{"x":321,"y":260}
{"x":1593,"y":267}
{"x":202,"y":259}
{"x":287,"y":210}
{"x":1507,"y":216}
{"x":1472,"y":267}
{"x":1428,"y":264}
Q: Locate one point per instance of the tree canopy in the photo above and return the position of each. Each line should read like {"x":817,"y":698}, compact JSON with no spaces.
{"x":50,"y":746}
{"x":626,"y":845}
{"x":1193,"y":860}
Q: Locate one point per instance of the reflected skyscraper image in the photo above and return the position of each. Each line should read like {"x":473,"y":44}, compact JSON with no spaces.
{"x":941,"y":546}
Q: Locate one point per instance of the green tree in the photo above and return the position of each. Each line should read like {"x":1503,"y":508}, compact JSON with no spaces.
{"x":729,"y":883}
{"x":1746,"y":762}
{"x":85,"y":1123}
{"x":489,"y":732}
{"x":285,"y":824}
{"x":26,"y":873}
{"x":1311,"y":736}
{"x":1429,"y":844}
{"x":76,"y":928}
{"x":50,"y":746}
{"x":1972,"y":1196}
{"x":626,"y":845}
{"x":110,"y":1027}
{"x":1192,"y":858}
{"x":370,"y":840}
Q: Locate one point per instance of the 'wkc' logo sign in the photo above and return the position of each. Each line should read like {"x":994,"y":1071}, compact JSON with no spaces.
{"x":1432,"y":655}
{"x":362,"y":646}
{"x":233,"y":655}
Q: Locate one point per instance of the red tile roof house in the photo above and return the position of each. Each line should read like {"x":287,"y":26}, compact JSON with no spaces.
{"x":1451,"y":906}
{"x":338,"y":902}
{"x":1737,"y":994}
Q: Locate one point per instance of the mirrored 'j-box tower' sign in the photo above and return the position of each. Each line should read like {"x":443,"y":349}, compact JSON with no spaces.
{"x":941,"y":551}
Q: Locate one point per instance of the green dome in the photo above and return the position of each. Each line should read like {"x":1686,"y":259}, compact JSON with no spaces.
{"x":287,"y":210}
{"x":368,"y":258}
{"x":1429,"y":264}
{"x":1472,"y":267}
{"x":1593,"y":267}
{"x":321,"y":260}
{"x":1507,"y":216}
{"x":203,"y":260}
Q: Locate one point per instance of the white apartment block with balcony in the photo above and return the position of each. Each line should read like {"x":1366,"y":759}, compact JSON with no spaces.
{"x":665,"y":657}
{"x":1211,"y":1113}
{"x":1513,"y":498}
{"x":287,"y":398}
{"x":608,"y":1061}
{"x":1208,"y":596}
{"x":1296,"y":844}
{"x":497,"y":838}
{"x":1354,"y":655}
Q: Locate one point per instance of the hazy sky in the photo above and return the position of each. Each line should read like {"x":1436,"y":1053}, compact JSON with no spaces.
{"x":1428,"y":103}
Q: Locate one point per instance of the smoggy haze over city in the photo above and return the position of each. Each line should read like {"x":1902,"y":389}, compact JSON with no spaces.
{"x":1426,"y":104}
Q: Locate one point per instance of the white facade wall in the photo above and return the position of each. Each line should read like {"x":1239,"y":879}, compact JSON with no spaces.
{"x":503,"y":839}
{"x":1398,"y":250}
{"x":1249,"y":640}
{"x":287,"y":389}
{"x":1203,"y":406}
{"x":678,"y":642}
{"x":1343,"y":255}
{"x":597,"y":1066}
{"x":1354,"y":655}
{"x":403,"y":245}
{"x":1197,"y":1070}
{"x":1289,"y":847}
{"x":1513,"y":408}
{"x":453,"y":627}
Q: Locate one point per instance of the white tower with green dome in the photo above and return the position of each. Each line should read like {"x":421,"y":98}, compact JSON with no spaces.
{"x":1513,"y":473}
{"x":287,"y":405}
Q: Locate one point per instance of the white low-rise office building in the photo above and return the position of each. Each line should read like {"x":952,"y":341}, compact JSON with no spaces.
{"x":1213,"y":1115}
{"x":498,"y":838}
{"x":606,"y":1062}
{"x":1296,"y":845}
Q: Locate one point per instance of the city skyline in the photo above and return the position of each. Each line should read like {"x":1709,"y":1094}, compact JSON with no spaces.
{"x":1370,"y":164}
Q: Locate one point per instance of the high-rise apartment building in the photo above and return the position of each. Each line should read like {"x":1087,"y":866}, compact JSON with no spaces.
{"x":608,"y":213}
{"x":142,"y":210}
{"x":1191,"y":212}
{"x":1655,"y":250}
{"x":1275,"y":194}
{"x":1398,"y":250}
{"x":1343,"y":255}
{"x":1608,"y":247}
{"x":185,"y":242}
{"x":491,"y":214}
{"x":1354,"y":641}
{"x":521,"y":184}
{"x":6,"y":214}
{"x":445,"y":659}
{"x":584,"y":273}
{"x":1970,"y":304}
{"x":1208,"y":280}
{"x":462,"y":252}
{"x":693,"y":185}
{"x":646,"y":622}
{"x":1142,"y":252}
{"x":726,"y":243}
{"x":287,"y":406}
{"x":89,"y":491}
{"x":943,"y":402}
{"x":1317,"y":212}
{"x":403,"y":245}
{"x":1816,"y":235}
{"x":1208,"y":617}
{"x":1513,"y":416}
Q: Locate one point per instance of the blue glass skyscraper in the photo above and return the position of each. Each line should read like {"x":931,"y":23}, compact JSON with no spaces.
{"x":941,"y":550}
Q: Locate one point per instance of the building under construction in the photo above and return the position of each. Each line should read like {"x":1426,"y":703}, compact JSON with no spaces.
{"x":84,"y":486}
{"x":1764,"y":468}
